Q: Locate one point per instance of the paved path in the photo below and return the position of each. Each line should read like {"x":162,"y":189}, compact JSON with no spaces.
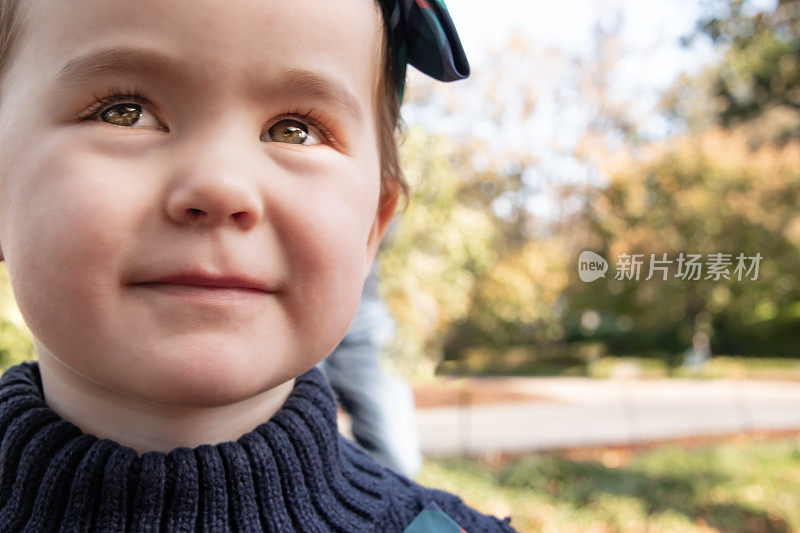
{"x":581,"y":411}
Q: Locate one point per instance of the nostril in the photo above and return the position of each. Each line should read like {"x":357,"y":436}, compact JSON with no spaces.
{"x":239,"y":216}
{"x":195,"y":213}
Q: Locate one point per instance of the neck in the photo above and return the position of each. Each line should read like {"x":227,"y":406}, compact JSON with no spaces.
{"x":149,"y":426}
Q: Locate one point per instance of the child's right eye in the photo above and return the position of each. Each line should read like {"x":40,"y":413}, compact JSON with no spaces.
{"x":128,"y":111}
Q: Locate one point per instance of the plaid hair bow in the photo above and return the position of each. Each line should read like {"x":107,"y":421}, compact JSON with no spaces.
{"x":422,"y":34}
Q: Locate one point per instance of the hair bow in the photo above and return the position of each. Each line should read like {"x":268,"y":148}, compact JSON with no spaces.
{"x":421,"y":33}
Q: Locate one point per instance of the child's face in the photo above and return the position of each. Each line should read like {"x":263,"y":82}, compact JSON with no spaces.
{"x":190,"y":177}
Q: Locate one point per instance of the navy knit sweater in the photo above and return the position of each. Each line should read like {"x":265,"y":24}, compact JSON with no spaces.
{"x":291,"y":473}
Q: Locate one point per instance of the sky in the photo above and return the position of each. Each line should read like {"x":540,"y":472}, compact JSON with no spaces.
{"x":652,"y":27}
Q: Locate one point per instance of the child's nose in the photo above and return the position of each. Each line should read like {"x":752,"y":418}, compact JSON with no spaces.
{"x":215,"y":200}
{"x":215,"y":182}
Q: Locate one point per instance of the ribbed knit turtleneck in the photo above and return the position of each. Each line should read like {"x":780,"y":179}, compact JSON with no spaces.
{"x":291,"y":473}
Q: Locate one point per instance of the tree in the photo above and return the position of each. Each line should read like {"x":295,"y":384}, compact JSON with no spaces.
{"x":704,"y":195}
{"x":757,"y":82}
{"x":441,"y":246}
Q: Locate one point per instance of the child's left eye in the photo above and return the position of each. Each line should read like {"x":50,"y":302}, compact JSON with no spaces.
{"x":293,"y":132}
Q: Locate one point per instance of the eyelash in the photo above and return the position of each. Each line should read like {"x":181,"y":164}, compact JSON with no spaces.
{"x":309,"y":116}
{"x":102,"y":103}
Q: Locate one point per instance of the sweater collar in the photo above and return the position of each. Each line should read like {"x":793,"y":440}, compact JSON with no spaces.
{"x":292,"y":472}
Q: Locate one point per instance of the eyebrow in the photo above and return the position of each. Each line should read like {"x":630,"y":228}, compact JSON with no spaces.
{"x":109,"y":60}
{"x":296,"y":82}
{"x":313,"y":86}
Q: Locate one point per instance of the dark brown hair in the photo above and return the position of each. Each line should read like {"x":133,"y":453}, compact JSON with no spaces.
{"x":389,"y":124}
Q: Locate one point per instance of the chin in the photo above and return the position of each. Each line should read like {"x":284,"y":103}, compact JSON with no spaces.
{"x":208,"y":378}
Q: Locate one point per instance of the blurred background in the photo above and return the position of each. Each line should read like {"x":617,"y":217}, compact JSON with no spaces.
{"x":621,"y":128}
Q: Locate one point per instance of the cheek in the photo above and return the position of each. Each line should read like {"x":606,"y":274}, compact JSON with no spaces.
{"x":325,"y":236}
{"x":68,"y":228}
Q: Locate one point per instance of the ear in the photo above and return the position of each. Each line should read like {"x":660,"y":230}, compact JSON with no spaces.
{"x":383,"y":216}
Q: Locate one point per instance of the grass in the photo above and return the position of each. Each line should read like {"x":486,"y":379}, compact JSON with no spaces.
{"x":751,"y":486}
{"x":717,"y":367}
{"x":527,"y":362}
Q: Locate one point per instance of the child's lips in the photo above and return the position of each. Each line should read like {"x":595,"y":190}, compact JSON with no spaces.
{"x":207,"y":288}
{"x":211,"y":281}
{"x":209,"y":294}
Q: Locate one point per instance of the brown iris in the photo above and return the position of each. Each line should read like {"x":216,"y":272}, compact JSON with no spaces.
{"x":289,"y":131}
{"x":122,"y":114}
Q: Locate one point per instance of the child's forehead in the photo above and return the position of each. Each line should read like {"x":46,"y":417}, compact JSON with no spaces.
{"x":209,"y":39}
